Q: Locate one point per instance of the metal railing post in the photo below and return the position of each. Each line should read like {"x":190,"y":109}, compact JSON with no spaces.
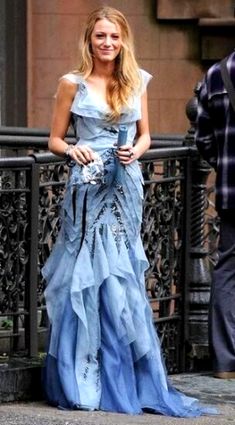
{"x":31,"y":330}
{"x":200,"y":276}
{"x":186,"y":260}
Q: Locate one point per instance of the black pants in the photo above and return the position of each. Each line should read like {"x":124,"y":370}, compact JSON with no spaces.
{"x":222,"y":304}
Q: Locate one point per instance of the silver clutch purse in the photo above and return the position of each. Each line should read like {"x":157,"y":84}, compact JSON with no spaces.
{"x":94,"y":171}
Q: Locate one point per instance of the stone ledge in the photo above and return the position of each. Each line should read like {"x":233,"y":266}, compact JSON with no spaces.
{"x":193,"y":9}
{"x":216,"y":22}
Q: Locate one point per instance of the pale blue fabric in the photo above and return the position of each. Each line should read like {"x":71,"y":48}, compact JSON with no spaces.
{"x":104,"y":352}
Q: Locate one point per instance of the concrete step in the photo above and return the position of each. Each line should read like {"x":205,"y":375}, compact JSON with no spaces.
{"x":20,"y":379}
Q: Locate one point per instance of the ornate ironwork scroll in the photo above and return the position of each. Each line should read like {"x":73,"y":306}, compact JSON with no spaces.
{"x":162,"y":237}
{"x":14,"y":253}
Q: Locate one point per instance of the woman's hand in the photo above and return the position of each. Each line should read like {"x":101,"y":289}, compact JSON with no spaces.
{"x":83,"y":155}
{"x":127,"y":154}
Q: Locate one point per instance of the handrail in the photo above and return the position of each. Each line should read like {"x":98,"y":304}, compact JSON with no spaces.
{"x":32,"y":131}
{"x":40,"y":142}
{"x":26,"y":142}
{"x":8,"y":162}
{"x":24,"y":130}
{"x":163,"y":153}
{"x":25,"y":138}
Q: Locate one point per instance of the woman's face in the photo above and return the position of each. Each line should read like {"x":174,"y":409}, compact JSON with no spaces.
{"x":106,"y":40}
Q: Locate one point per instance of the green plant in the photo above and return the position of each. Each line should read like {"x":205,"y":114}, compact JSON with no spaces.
{"x":7,"y":324}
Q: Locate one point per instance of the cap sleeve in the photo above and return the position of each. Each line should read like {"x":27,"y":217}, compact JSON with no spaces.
{"x":145,"y":78}
{"x":73,"y":78}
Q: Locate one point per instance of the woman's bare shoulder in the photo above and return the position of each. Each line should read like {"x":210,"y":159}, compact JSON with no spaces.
{"x":66,"y":88}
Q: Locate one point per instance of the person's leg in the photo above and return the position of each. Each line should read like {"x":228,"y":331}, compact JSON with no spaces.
{"x":222,"y":304}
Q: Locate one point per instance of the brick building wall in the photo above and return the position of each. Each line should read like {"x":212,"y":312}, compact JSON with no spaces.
{"x":169,"y":51}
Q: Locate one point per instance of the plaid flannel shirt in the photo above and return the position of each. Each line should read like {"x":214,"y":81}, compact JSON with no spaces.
{"x":215,"y":135}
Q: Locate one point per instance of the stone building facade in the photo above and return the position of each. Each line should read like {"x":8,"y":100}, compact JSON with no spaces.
{"x":175,"y":41}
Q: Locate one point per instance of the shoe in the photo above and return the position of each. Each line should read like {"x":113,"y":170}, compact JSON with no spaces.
{"x":224,"y":375}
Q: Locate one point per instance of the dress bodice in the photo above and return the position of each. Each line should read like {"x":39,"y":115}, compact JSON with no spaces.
{"x":89,"y":115}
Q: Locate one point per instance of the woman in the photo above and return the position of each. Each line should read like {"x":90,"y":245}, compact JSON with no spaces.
{"x":104,"y":353}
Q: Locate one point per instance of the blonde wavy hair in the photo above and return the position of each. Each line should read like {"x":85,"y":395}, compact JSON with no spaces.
{"x":126,"y":77}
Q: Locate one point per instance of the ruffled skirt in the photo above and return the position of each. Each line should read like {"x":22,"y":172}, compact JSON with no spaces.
{"x":103,"y":350}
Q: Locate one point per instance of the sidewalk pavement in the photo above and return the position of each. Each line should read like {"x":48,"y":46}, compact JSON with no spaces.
{"x":212,"y":391}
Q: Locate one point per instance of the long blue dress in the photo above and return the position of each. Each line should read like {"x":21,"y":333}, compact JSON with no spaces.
{"x":104,"y":352}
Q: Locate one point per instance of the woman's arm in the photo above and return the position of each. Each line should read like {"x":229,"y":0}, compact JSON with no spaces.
{"x":60,"y":122}
{"x":143,"y":137}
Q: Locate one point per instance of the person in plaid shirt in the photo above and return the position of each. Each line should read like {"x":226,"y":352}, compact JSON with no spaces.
{"x":215,"y":139}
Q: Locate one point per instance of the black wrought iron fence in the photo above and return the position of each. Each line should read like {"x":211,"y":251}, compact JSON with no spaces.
{"x":166,"y":232}
{"x":31,"y":192}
